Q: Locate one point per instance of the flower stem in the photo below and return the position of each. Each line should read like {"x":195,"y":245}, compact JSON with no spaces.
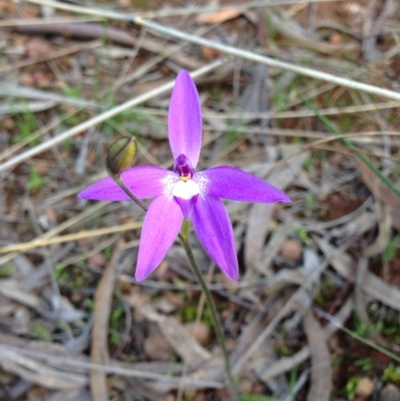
{"x":184,"y":238}
{"x":214,"y":314}
{"x":121,"y":184}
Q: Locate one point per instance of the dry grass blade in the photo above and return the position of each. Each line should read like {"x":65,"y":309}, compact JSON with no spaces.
{"x":32,"y":107}
{"x":243,"y":7}
{"x":321,"y":369}
{"x":102,"y":308}
{"x":74,"y":323}
{"x":57,"y":54}
{"x":171,"y":32}
{"x":117,"y":368}
{"x":118,"y":36}
{"x":102,"y":117}
{"x":12,"y":289}
{"x":36,"y":372}
{"x":69,"y":237}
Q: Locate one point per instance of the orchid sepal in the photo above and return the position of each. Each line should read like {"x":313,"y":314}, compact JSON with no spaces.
{"x":184,"y":193}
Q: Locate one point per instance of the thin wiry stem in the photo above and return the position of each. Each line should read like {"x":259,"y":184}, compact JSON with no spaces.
{"x":175,"y":33}
{"x":117,"y":179}
{"x":214,"y":315}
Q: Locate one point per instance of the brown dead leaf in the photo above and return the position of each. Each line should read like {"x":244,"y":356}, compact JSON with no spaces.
{"x":219,"y":16}
{"x":382,"y":192}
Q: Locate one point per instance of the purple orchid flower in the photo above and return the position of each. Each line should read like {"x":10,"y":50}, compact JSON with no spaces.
{"x":184,"y":193}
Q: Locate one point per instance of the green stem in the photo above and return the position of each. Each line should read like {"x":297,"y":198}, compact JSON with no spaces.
{"x":214,"y":314}
{"x":184,"y":238}
{"x":121,"y":184}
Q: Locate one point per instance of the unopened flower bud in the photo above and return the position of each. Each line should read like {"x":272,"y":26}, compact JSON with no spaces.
{"x":121,"y":155}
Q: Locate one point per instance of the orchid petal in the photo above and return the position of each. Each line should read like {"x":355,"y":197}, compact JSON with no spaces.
{"x":184,"y":119}
{"x":235,"y":184}
{"x":105,"y":189}
{"x":187,"y":205}
{"x":146,"y":181}
{"x":213,"y":227}
{"x":161,"y":226}
{"x":143,"y":181}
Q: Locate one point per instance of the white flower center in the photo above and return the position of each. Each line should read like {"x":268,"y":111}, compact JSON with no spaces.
{"x":185,"y":190}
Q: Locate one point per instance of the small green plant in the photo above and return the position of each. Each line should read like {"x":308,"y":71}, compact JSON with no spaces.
{"x":309,"y":203}
{"x":362,"y":329}
{"x":116,"y":321}
{"x":283,"y":92}
{"x":308,"y":164}
{"x":107,"y":252}
{"x":75,"y":93}
{"x":88,"y":304}
{"x":365,"y":364}
{"x":284,"y":351}
{"x":61,"y":272}
{"x":256,"y":397}
{"x":292,"y":383}
{"x":351,"y":387}
{"x":189,"y":313}
{"x":116,"y":316}
{"x":6,"y":272}
{"x":390,"y":251}
{"x":26,"y":124}
{"x":115,"y":337}
{"x":326,"y":290}
{"x":234,"y":133}
{"x":36,"y":181}
{"x":337,"y":361}
{"x":41,"y":332}
{"x":391,"y":374}
{"x":302,"y":234}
